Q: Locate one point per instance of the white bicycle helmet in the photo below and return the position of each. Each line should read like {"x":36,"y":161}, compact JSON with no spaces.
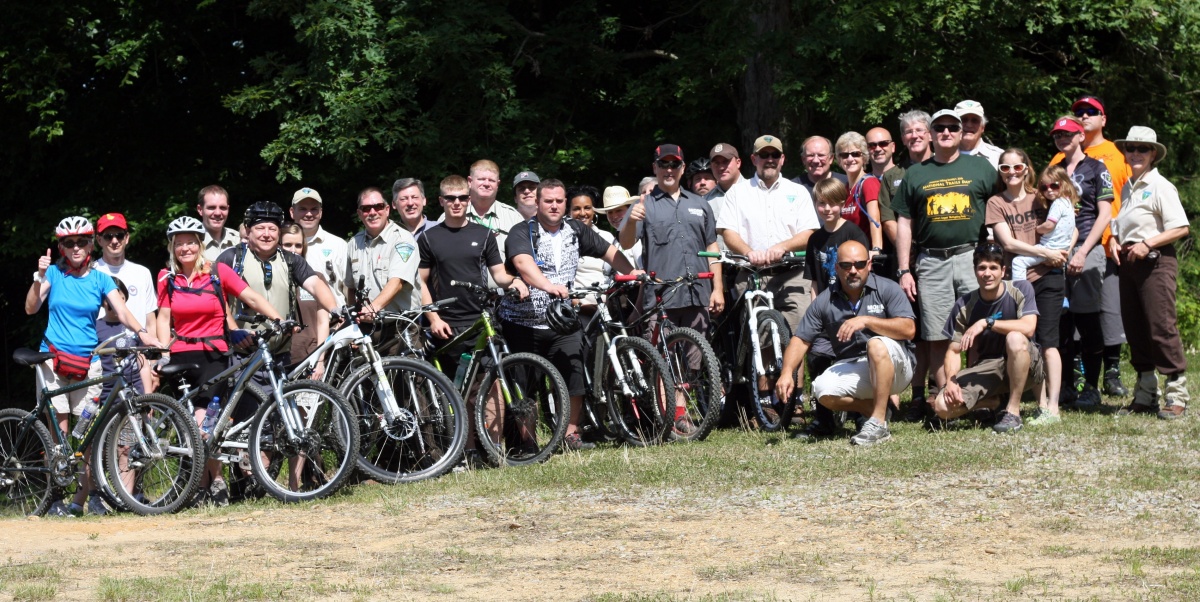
{"x":185,"y":224}
{"x":74,"y":226}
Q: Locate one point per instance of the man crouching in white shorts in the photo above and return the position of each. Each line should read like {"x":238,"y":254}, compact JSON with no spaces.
{"x":871,"y":324}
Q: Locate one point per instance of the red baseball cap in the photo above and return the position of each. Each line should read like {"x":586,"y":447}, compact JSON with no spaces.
{"x":111,"y":220}
{"x":663,"y":151}
{"x":1066,"y":125}
{"x":1090,"y":101}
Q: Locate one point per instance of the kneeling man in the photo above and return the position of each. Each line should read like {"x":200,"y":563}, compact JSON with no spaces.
{"x":994,"y":324}
{"x":871,"y":324}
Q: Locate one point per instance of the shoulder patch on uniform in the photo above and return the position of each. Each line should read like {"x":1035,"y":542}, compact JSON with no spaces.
{"x":326,"y":252}
{"x":791,"y":198}
{"x":405,"y":250}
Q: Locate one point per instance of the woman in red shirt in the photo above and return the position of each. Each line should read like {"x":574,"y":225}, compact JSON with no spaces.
{"x":195,"y":312}
{"x":862,"y":204}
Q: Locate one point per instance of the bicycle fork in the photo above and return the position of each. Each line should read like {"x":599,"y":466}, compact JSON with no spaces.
{"x":752,"y":323}
{"x":622,"y":378}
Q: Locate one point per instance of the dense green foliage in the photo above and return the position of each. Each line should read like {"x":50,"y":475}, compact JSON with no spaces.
{"x":134,"y":106}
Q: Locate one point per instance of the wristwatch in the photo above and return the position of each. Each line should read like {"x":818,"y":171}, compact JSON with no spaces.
{"x":876,"y":250}
{"x":37,"y":277}
{"x":901,"y":273}
{"x":991,"y":321}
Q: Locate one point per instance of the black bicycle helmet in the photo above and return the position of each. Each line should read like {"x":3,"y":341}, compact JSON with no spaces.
{"x":562,"y":317}
{"x":263,"y":211}
{"x":699,"y":165}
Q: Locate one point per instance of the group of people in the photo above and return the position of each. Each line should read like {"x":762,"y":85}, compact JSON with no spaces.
{"x":912,"y":259}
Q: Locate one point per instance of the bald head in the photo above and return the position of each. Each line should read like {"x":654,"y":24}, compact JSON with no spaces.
{"x":880,"y":147}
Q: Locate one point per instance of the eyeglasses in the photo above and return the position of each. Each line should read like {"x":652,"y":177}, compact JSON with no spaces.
{"x":1145,"y":150}
{"x":848,"y":154}
{"x":451,"y":198}
{"x":377,"y":208}
{"x":1059,"y":135}
{"x":74,"y":243}
{"x":1050,"y":186}
{"x":1015,"y":168}
{"x":858,"y":265}
{"x":1087,"y":111}
{"x":765,"y":156}
{"x":669,"y":164}
{"x":941,"y":127}
{"x":880,"y":144}
{"x":111,"y":236}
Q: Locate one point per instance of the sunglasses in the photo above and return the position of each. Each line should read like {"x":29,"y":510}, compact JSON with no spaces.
{"x":941,"y":127}
{"x":848,"y":154}
{"x":377,"y":208}
{"x":1145,"y":150}
{"x":1050,"y":186}
{"x":74,"y":243}
{"x":1059,"y":135}
{"x":1087,"y":111}
{"x":858,"y":265}
{"x":989,"y":247}
{"x":880,"y":144}
{"x":1015,"y":168}
{"x":461,"y":198}
{"x":768,"y":156}
{"x":111,"y":236}
{"x":669,"y":164}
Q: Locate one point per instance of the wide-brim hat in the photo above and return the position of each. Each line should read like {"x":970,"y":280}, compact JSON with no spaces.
{"x":1144,"y":135}
{"x":616,"y":197}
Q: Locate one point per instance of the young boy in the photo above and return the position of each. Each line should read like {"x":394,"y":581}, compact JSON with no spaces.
{"x":823,"y":244}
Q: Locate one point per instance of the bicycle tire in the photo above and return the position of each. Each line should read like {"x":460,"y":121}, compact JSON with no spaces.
{"x":699,"y":388}
{"x":595,"y":405}
{"x":426,"y":440}
{"x":639,"y":417}
{"x":147,"y":485}
{"x":537,"y":398}
{"x":771,"y":414}
{"x":100,"y":475}
{"x":327,"y":448}
{"x":26,"y":485}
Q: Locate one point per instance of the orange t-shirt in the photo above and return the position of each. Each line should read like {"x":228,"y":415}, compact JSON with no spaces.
{"x":1106,"y":152}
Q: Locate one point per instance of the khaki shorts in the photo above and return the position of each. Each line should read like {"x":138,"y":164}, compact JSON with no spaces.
{"x":940,"y":282}
{"x":73,"y":401}
{"x":989,"y":378}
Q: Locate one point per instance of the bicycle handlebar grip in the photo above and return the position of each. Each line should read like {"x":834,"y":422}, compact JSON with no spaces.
{"x":705,"y":275}
{"x":258,"y":319}
{"x":625,"y":278}
{"x":708,"y":254}
{"x":461,"y":283}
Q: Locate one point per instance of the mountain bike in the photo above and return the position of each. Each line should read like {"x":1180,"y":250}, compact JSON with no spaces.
{"x":412,"y":420}
{"x":750,"y":338}
{"x":300,"y":444}
{"x":519,"y":403}
{"x":146,"y":451}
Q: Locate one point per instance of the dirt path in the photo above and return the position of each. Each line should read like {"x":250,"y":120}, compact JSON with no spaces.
{"x":791,"y":545}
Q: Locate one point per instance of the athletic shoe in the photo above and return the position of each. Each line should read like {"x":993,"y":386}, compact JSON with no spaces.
{"x":96,"y":506}
{"x":1171,"y":412}
{"x":1043,"y":418}
{"x":218,"y":493}
{"x":684,"y":426}
{"x":59,"y":510}
{"x":918,"y":410}
{"x":1007,"y":423}
{"x":1113,"y":386}
{"x":816,"y":429}
{"x":576,"y":443}
{"x":872,"y":432}
{"x":1089,"y":397}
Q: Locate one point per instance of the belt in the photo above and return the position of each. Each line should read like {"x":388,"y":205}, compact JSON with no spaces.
{"x":950,"y":252}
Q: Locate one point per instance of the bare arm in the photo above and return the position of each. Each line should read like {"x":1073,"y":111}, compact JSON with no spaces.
{"x":385,"y":296}
{"x":532,"y":275}
{"x":317,"y":287}
{"x":258,"y":303}
{"x":614,"y":257}
{"x":793,"y":367}
{"x":1010,"y":244}
{"x":876,"y":231}
{"x":734,"y":241}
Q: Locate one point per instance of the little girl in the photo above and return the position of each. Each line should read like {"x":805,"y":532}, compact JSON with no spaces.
{"x":1058,"y":197}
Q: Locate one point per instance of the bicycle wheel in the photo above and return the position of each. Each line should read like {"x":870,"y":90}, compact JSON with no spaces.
{"x":26,"y":485}
{"x":322,"y":454}
{"x":697,"y":377}
{"x":101,"y":483}
{"x":526,"y":423}
{"x":772,"y":414}
{"x":425,"y":439}
{"x":163,"y":475}
{"x":595,"y":406}
{"x":638,"y":399}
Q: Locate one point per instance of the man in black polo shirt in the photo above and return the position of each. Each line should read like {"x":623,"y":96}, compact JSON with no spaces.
{"x":457,"y":249}
{"x":995,"y":325}
{"x":870,"y":324}
{"x":544,"y":252}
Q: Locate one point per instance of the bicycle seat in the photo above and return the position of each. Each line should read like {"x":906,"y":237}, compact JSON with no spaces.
{"x":174,"y":369}
{"x":29,"y":357}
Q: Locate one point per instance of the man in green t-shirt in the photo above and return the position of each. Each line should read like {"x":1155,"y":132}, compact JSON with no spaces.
{"x":939,"y":209}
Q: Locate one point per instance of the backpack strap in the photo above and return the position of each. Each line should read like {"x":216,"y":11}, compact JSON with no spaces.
{"x":857,"y":193}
